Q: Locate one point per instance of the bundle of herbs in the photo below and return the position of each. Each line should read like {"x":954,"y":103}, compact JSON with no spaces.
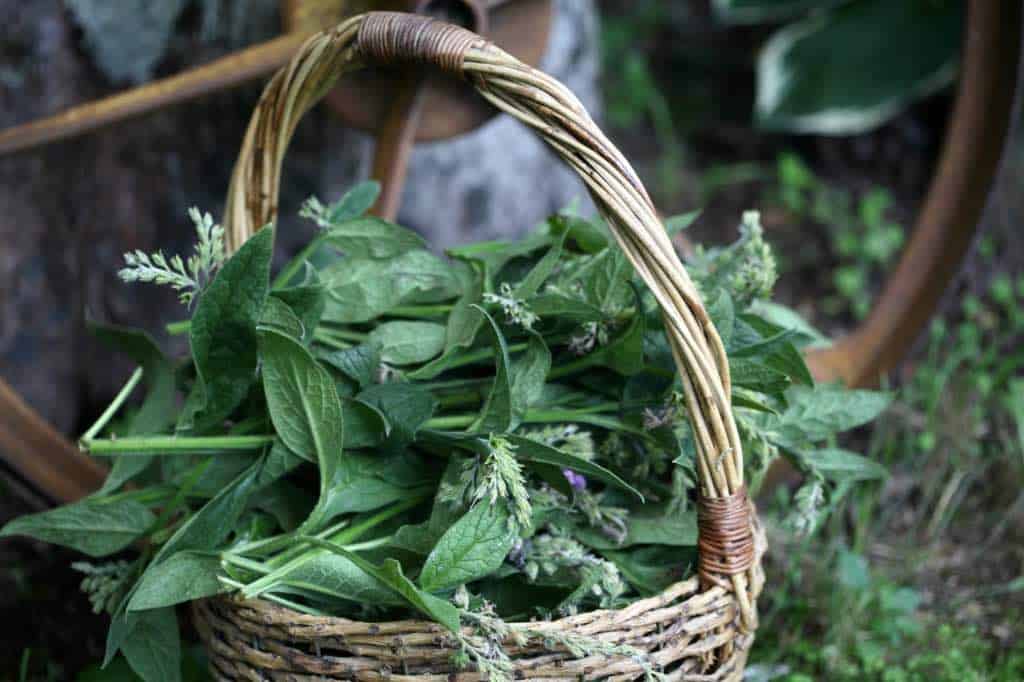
{"x":380,"y":432}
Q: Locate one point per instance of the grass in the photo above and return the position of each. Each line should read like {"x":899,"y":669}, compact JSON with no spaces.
{"x":920,"y":577}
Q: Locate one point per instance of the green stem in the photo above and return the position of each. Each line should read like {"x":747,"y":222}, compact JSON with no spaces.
{"x":345,"y":334}
{"x":345,"y":537}
{"x":455,"y":421}
{"x":287,"y":603}
{"x":114,"y":406}
{"x":294,"y":264}
{"x":174,"y":445}
{"x":459,"y":399}
{"x":327,"y":339}
{"x":421,"y":310}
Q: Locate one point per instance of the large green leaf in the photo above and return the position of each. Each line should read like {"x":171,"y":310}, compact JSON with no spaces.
{"x":183,"y":577}
{"x":842,"y":465}
{"x":496,"y":415}
{"x":153,"y":646}
{"x":336,"y":576}
{"x":850,"y":69}
{"x":93,"y":526}
{"x":223,"y":334}
{"x":758,"y":11}
{"x":528,"y":374}
{"x":408,"y":342}
{"x":390,"y":574}
{"x":475,"y":546}
{"x":370,"y":237}
{"x":307,"y":413}
{"x":359,"y":290}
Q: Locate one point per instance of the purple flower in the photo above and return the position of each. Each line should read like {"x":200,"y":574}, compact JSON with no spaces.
{"x":577,"y":481}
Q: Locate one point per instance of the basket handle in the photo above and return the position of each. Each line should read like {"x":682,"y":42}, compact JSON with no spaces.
{"x":554,"y":113}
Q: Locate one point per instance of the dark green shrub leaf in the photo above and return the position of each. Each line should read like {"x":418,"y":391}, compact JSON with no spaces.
{"x":223,"y":334}
{"x":153,"y":646}
{"x":496,"y":415}
{"x":475,"y":546}
{"x":182,"y":577}
{"x":359,"y":363}
{"x":842,"y":465}
{"x":92,"y":526}
{"x":370,"y":237}
{"x":407,"y":342}
{"x":848,"y":70}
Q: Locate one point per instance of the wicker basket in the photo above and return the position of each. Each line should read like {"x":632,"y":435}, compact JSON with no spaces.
{"x":698,"y":629}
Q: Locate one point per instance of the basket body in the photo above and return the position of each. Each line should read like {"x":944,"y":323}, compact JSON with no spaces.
{"x":687,"y":632}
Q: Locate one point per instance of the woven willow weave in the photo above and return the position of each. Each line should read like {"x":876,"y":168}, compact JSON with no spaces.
{"x":698,"y":629}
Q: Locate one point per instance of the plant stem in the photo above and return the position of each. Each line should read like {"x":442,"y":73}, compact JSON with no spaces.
{"x":455,"y":421}
{"x":327,"y":339}
{"x":345,"y":334}
{"x":174,"y":445}
{"x":287,"y":561}
{"x":114,"y":406}
{"x":421,"y":310}
{"x":294,"y":264}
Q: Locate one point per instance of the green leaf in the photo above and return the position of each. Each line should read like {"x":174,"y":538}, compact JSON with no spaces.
{"x":496,"y":415}
{"x":763,"y":11}
{"x":408,"y":342}
{"x":787,"y":318}
{"x":307,"y":415}
{"x":625,"y":352}
{"x":209,"y":526}
{"x":533,"y":451}
{"x":336,"y":576}
{"x":405,"y":406}
{"x":359,"y":290}
{"x":354,"y":202}
{"x":92,"y":526}
{"x":848,"y":70}
{"x":589,"y":236}
{"x":555,"y":305}
{"x":605,"y":280}
{"x":359,"y":363}
{"x":753,"y":375}
{"x":370,"y":237}
{"x":775,"y":350}
{"x":677,"y":223}
{"x":153,"y":647}
{"x":223,"y":334}
{"x":306,"y":300}
{"x":302,"y":400}
{"x":650,"y":526}
{"x":540,"y":272}
{"x":817,"y":413}
{"x":723,"y":315}
{"x":278,"y":316}
{"x":493,"y":255}
{"x":365,"y":425}
{"x":652,"y":569}
{"x":474,"y":547}
{"x":464,"y":323}
{"x":528,"y":374}
{"x":390,"y":573}
{"x":842,"y":465}
{"x":182,"y":577}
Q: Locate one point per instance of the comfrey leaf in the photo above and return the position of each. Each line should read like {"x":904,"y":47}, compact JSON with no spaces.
{"x":474,"y":547}
{"x":92,"y":526}
{"x":183,"y":577}
{"x":223,"y":334}
{"x":497,"y":413}
{"x":353,"y":204}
